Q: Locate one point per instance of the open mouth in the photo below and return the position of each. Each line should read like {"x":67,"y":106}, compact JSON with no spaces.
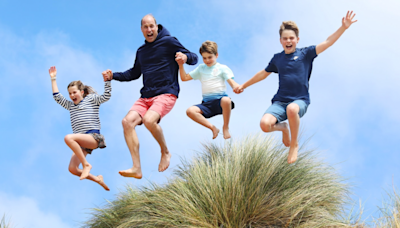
{"x":150,"y":35}
{"x":289,"y":46}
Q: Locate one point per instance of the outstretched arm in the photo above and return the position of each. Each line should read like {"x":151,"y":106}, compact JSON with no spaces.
{"x":346,"y":22}
{"x":53,"y":74}
{"x":233,"y":84}
{"x":261,"y":75}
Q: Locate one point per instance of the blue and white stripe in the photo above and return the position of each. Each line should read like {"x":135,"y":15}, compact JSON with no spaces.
{"x":85,"y":115}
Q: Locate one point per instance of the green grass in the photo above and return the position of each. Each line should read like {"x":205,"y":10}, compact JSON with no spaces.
{"x":4,"y":223}
{"x":247,"y":183}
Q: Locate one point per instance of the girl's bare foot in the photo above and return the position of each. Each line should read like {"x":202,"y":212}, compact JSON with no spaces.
{"x":225,"y":130}
{"x":215,"y":132}
{"x":85,"y":171}
{"x":164,"y":163}
{"x":101,"y":182}
{"x":292,"y":157}
{"x":285,"y":135}
{"x":135,"y":172}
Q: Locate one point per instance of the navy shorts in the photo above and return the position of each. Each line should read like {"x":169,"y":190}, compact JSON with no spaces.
{"x":212,"y":108}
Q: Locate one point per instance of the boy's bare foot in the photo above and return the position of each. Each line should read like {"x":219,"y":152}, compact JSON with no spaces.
{"x":164,"y":163}
{"x":292,"y":157}
{"x":286,"y":135}
{"x":215,"y":132}
{"x":85,"y":171}
{"x":225,"y":130}
{"x":135,"y":172}
{"x":101,"y":182}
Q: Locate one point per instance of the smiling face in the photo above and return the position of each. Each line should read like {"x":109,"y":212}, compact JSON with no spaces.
{"x":75,"y":94}
{"x":149,"y":28}
{"x":209,"y":59}
{"x":289,"y":41}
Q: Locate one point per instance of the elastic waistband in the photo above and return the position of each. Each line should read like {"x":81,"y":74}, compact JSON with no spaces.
{"x":93,"y":131}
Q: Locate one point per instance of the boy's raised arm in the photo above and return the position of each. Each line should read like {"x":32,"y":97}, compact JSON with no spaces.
{"x":182,"y":72}
{"x":261,"y":75}
{"x":346,"y":22}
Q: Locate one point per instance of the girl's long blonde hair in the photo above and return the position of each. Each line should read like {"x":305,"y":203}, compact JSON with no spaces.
{"x":80,"y":86}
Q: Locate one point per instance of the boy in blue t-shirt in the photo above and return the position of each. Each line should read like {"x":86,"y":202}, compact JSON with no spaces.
{"x":212,"y":76}
{"x":294,"y":67}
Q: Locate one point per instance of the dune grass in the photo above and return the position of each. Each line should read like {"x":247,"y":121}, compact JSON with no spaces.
{"x":246,"y":183}
{"x":4,"y":223}
{"x":390,"y":212}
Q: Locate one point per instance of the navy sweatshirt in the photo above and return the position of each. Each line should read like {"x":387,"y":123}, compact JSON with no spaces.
{"x":156,"y":61}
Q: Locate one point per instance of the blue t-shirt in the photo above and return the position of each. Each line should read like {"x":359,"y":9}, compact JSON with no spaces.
{"x":294,"y":73}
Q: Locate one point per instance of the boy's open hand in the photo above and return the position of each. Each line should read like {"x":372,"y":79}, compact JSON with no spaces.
{"x":53,"y":72}
{"x":180,"y":58}
{"x":347,"y":21}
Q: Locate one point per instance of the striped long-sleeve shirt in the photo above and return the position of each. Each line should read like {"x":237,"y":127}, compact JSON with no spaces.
{"x":85,"y":115}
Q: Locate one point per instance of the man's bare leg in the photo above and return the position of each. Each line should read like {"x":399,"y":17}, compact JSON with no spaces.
{"x":75,"y":170}
{"x":292,"y":111}
{"x":196,"y":115}
{"x":130,"y":121}
{"x":268,"y":124}
{"x":150,"y":120}
{"x":226,"y":105}
{"x":75,"y":142}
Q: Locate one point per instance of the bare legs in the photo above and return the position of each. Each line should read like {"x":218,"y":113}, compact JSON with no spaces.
{"x":196,"y":115}
{"x":74,"y":169}
{"x":268,"y":124}
{"x":150,"y":120}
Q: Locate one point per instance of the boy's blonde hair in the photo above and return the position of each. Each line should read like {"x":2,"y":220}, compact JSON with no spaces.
{"x":289,"y":25}
{"x":80,"y":86}
{"x":209,"y":47}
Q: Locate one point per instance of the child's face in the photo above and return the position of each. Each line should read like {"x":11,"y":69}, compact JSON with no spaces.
{"x":289,"y":41}
{"x":209,"y":59}
{"x":75,"y":94}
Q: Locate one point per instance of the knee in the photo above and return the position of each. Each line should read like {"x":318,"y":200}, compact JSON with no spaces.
{"x":73,"y":170}
{"x":292,"y":110}
{"x":68,"y":139}
{"x":191,"y":111}
{"x":126,"y":124}
{"x":149,"y":123}
{"x":226,"y":101}
{"x":265,"y":126}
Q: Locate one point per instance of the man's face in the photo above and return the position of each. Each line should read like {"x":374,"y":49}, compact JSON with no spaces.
{"x":149,"y":29}
{"x":289,"y":41}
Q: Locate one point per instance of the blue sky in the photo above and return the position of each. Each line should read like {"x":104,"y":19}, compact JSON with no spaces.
{"x":353,"y":116}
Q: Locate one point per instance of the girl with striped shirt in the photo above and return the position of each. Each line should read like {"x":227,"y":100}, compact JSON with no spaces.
{"x":84,"y":114}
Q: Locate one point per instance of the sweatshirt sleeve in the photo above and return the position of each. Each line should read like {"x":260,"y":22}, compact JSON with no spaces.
{"x":99,"y":99}
{"x":60,"y":99}
{"x":131,"y":74}
{"x":191,"y":57}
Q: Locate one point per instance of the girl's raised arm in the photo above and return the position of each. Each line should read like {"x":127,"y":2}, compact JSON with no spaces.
{"x":53,"y":74}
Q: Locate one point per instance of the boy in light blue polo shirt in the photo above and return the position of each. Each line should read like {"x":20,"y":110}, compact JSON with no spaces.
{"x":294,"y":67}
{"x":212,"y":76}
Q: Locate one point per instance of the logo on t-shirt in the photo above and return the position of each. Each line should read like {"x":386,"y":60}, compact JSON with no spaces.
{"x":295,"y":57}
{"x":215,"y":72}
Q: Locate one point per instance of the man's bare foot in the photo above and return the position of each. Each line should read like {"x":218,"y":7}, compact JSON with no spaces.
{"x":164,"y":163}
{"x":135,"y":172}
{"x":215,"y":132}
{"x":85,"y":171}
{"x":101,"y":182}
{"x":225,"y":130}
{"x":286,"y":135}
{"x":292,"y":157}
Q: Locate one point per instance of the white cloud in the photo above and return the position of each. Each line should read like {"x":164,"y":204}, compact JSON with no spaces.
{"x":23,"y":211}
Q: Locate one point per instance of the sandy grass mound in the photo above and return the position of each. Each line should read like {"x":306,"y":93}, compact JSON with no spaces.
{"x":247,"y":183}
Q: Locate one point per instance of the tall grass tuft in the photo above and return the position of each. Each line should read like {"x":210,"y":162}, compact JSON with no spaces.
{"x":4,"y":223}
{"x":390,"y":212}
{"x":247,"y":183}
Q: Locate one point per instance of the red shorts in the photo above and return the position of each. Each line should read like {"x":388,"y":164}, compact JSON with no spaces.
{"x":162,"y":104}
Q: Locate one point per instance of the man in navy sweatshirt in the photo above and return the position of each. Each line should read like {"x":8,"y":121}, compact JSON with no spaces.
{"x":156,"y":61}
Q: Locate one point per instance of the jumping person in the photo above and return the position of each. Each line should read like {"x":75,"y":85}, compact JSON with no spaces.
{"x":156,"y":61}
{"x":212,"y":76}
{"x":85,"y":122}
{"x":294,"y":67}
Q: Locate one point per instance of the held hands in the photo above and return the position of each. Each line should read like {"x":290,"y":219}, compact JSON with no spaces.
{"x":239,"y":89}
{"x":347,"y":21}
{"x":180,"y":58}
{"x":107,"y":75}
{"x":53,"y":72}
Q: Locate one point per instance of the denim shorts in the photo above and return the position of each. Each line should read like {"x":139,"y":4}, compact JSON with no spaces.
{"x":278,"y":109}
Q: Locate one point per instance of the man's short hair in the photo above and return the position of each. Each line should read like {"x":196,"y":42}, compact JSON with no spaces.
{"x":289,"y":25}
{"x":141,"y":21}
{"x":209,"y":47}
